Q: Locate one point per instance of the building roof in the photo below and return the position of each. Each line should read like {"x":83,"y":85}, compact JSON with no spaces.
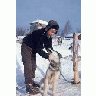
{"x":71,"y":35}
{"x":40,"y":21}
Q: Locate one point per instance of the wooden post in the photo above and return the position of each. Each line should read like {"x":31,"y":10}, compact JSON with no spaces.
{"x":75,"y":58}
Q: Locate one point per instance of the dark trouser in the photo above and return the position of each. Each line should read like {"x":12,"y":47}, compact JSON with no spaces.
{"x":29,"y":62}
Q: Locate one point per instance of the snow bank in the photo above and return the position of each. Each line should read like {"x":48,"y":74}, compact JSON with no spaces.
{"x":42,"y":65}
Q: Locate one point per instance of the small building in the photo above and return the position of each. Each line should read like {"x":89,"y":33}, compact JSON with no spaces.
{"x":69,"y":36}
{"x":38,"y":24}
{"x":79,"y":37}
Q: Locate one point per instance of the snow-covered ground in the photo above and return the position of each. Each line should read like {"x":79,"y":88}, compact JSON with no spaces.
{"x":64,"y":88}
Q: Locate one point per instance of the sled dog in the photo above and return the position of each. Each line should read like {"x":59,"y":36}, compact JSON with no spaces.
{"x":52,"y":73}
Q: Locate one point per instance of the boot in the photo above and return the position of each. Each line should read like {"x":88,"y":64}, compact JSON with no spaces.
{"x":31,"y":89}
{"x":28,"y":87}
{"x":35,"y":85}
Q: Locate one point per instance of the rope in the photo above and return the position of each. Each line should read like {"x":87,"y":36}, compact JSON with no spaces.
{"x":64,"y":77}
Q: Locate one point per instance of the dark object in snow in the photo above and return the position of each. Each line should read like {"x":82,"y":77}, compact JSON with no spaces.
{"x":76,"y":82}
{"x":59,"y":40}
{"x":79,"y":37}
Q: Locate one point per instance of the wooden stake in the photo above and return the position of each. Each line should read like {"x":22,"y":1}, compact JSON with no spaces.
{"x":75,"y":57}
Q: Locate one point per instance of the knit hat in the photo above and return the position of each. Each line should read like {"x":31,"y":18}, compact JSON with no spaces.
{"x":52,"y":25}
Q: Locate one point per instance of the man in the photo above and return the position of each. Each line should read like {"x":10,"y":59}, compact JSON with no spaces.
{"x":34,"y":43}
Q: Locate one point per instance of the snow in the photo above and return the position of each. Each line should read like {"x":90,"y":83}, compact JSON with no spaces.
{"x":41,"y":22}
{"x":64,"y":88}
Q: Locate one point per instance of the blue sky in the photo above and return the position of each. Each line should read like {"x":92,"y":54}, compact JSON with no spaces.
{"x":59,"y":10}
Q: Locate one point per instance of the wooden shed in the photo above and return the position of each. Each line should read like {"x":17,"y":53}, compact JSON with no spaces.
{"x":38,"y":24}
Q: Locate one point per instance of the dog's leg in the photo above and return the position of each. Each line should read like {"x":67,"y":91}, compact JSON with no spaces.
{"x":46,"y":86}
{"x":56,"y":76}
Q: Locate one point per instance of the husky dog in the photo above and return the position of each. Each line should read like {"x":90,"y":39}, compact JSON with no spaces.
{"x":53,"y":72}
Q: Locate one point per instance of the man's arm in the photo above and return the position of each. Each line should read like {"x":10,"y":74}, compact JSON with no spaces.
{"x":43,"y":53}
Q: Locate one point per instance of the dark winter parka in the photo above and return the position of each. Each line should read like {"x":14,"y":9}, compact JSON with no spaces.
{"x":38,"y":40}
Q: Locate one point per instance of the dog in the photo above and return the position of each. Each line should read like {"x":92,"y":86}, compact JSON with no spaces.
{"x":53,"y":72}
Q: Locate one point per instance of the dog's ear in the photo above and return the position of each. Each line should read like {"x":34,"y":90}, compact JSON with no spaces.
{"x":60,"y":56}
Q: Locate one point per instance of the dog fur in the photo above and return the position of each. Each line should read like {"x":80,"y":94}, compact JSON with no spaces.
{"x":53,"y":72}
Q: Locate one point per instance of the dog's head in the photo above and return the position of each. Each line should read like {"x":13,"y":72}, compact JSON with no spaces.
{"x":54,"y":56}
